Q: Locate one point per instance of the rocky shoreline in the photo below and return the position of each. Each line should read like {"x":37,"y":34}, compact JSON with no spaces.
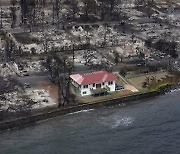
{"x":168,"y":88}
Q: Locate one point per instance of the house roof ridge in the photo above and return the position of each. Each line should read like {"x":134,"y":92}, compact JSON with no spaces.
{"x":94,"y":77}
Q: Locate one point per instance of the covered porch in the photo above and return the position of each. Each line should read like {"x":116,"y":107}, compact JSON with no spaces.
{"x":100,"y":91}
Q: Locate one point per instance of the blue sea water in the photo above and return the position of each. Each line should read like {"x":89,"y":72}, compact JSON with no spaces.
{"x":151,"y":126}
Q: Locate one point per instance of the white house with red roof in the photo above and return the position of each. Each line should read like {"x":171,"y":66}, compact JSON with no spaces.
{"x":93,"y":83}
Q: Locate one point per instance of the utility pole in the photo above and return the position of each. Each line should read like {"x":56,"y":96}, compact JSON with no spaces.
{"x":42,"y":20}
{"x":1,"y":20}
{"x":53,"y":13}
{"x":73,"y":55}
{"x":105,"y":36}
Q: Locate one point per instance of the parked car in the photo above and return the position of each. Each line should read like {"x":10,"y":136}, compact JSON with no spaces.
{"x":119,"y":87}
{"x":25,"y":73}
{"x":139,"y":64}
{"x":27,"y":85}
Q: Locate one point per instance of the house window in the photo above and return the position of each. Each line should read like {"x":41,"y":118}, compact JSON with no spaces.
{"x":110,"y":83}
{"x":103,"y":83}
{"x":84,"y":92}
{"x":98,"y":85}
{"x":93,"y":84}
{"x":85,"y":86}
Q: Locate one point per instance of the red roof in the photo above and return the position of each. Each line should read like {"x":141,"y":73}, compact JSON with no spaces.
{"x":94,"y":77}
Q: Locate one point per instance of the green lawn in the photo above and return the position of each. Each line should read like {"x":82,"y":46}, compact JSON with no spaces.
{"x":137,"y":82}
{"x":91,"y":99}
{"x":157,"y":86}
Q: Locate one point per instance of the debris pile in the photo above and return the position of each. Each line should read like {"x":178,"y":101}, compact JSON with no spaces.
{"x":30,"y":100}
{"x":6,"y":70}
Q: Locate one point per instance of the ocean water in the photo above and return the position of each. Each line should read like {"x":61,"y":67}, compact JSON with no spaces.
{"x":151,"y":126}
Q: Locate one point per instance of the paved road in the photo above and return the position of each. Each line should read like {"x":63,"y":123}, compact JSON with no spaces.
{"x":33,"y":79}
{"x":38,"y":77}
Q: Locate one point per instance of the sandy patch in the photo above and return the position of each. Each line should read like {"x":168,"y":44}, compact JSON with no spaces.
{"x":52,"y":89}
{"x":130,"y":87}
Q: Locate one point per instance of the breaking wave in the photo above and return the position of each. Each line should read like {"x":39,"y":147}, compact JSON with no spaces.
{"x":175,"y":90}
{"x":81,"y":111}
{"x":126,"y":121}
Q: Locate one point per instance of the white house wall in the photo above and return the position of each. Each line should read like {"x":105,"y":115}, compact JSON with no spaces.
{"x":90,"y":86}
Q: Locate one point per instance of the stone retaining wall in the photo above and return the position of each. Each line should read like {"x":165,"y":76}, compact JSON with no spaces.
{"x":58,"y":112}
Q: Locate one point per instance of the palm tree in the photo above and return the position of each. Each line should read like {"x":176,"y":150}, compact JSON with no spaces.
{"x":147,"y":80}
{"x":70,"y":67}
{"x":60,"y":69}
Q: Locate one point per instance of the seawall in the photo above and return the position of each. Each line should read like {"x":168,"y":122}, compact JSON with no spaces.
{"x":59,"y":112}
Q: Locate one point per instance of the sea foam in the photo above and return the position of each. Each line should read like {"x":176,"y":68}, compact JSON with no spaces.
{"x":126,"y":121}
{"x":175,"y":90}
{"x":81,"y":111}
